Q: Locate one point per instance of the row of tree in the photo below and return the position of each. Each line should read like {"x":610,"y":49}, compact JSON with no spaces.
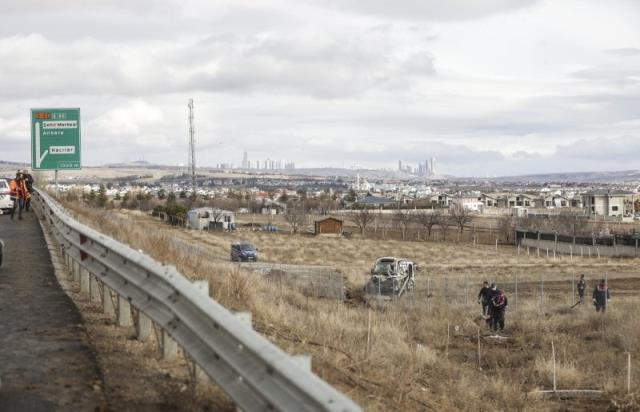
{"x":427,"y":220}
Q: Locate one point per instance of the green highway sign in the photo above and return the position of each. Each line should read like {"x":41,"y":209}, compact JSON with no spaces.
{"x":55,"y":139}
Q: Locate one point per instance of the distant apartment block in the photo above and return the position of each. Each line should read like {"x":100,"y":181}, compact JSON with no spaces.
{"x":607,"y":203}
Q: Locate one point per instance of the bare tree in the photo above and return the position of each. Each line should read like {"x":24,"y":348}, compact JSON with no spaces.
{"x":428,"y":219}
{"x":507,"y":228}
{"x":402,"y":220}
{"x":362,"y":218}
{"x":572,"y":224}
{"x":443,"y":224}
{"x":459,"y":216}
{"x":295,"y":217}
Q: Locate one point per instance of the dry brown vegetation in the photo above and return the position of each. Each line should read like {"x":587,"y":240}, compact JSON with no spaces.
{"x":398,"y":356}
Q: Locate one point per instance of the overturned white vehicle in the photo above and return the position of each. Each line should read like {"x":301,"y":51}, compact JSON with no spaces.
{"x":391,"y":278}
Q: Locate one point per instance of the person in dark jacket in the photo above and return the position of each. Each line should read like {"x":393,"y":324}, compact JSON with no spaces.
{"x":28,"y":180}
{"x":498,"y":308}
{"x":601,"y":296}
{"x":484,"y":298}
{"x":582,"y":286}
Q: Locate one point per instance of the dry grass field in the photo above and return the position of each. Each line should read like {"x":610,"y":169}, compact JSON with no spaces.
{"x":419,"y":353}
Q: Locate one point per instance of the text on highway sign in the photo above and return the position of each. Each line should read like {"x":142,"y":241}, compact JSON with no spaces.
{"x":55,"y":139}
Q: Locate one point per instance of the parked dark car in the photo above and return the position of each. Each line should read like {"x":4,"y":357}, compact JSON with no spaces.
{"x":244,"y":252}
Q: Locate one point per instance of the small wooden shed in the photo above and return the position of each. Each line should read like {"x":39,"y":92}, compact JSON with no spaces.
{"x":330,"y":225}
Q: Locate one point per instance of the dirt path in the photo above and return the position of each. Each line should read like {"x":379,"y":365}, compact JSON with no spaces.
{"x":45,"y":361}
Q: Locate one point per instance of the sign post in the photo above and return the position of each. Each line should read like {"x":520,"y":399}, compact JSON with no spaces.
{"x":55,"y":140}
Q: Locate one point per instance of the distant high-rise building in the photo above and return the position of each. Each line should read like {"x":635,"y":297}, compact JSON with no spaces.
{"x":245,"y":160}
{"x":400,"y":165}
{"x":433,"y":166}
{"x":257,"y":164}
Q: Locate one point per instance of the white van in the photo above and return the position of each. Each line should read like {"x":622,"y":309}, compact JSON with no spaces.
{"x":5,"y":196}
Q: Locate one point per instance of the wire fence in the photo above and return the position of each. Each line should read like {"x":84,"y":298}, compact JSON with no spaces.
{"x":544,"y":290}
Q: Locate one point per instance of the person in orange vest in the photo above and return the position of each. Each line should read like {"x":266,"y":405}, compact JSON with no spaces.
{"x":19,"y":194}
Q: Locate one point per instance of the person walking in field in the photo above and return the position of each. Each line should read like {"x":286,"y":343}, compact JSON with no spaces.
{"x":601,"y":296}
{"x":484,"y":298}
{"x":582,"y":286}
{"x":499,"y":304}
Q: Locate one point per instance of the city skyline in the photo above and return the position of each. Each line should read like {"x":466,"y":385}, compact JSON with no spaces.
{"x":506,"y":88}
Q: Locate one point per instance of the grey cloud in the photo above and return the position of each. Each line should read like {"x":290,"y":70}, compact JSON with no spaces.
{"x":375,"y":154}
{"x":45,"y":7}
{"x":618,"y":149}
{"x":430,"y":9}
{"x":611,"y":74}
{"x":523,"y":154}
{"x":325,"y":69}
{"x":628,"y":51}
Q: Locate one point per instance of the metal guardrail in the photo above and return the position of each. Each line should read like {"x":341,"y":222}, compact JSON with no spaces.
{"x":255,"y":373}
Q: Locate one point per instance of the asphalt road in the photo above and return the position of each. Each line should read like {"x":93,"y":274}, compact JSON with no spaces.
{"x":45,"y":361}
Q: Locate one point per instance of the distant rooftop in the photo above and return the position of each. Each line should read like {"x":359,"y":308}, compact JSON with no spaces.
{"x":604,"y":192}
{"x":375,"y":200}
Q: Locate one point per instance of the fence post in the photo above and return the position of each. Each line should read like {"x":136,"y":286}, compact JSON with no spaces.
{"x":541,"y":292}
{"x":446,"y":349}
{"x":369,"y":331}
{"x":428,"y":293}
{"x":446,"y":287}
{"x":466,"y":290}
{"x":479,"y":353}
{"x":516,"y":292}
{"x":553,"y":354}
{"x":629,"y":370}
{"x":573,"y":289}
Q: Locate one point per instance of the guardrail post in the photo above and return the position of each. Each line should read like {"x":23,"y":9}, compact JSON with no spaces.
{"x":94,"y":288}
{"x":66,"y":262}
{"x":203,"y":286}
{"x":169,"y":346}
{"x":84,"y":280}
{"x":75,"y":269}
{"x":145,"y":327}
{"x":124,"y":312}
{"x":107,"y":303}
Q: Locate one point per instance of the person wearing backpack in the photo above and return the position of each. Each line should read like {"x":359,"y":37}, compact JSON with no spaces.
{"x":498,"y":308}
{"x":582,"y":286}
{"x":484,"y":298}
{"x":601,"y":296}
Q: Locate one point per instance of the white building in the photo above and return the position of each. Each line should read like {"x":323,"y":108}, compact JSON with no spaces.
{"x":209,"y":218}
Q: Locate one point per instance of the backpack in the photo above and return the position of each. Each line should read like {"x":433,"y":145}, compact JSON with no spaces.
{"x":499,"y":300}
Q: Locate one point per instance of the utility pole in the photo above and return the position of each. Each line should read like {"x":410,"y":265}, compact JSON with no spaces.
{"x":192,"y":149}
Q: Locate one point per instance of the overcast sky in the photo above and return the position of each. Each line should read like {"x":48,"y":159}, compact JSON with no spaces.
{"x":492,"y":87}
